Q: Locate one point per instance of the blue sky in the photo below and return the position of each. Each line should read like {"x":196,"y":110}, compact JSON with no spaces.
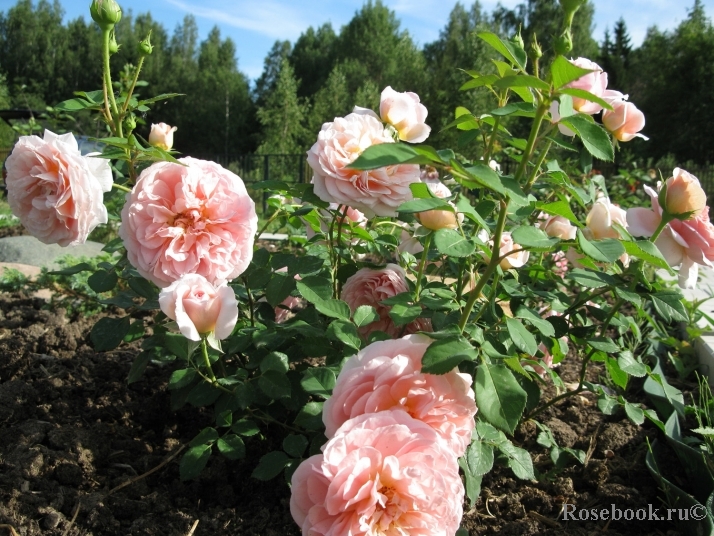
{"x":255,"y":25}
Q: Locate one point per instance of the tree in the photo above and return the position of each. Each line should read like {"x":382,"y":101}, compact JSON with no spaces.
{"x":615,"y":57}
{"x":331,"y":100}
{"x":313,"y":58}
{"x":271,"y":70}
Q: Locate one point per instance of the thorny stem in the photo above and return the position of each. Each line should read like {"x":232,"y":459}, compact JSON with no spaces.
{"x":540,"y":114}
{"x":108,"y":89}
{"x":492,"y":265}
{"x":207,"y":361}
{"x":133,"y":85}
{"x":268,"y":419}
{"x":422,"y":265}
{"x":534,"y":174}
{"x":267,"y":223}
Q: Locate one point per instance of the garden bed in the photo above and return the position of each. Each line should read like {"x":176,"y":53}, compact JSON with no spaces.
{"x":72,"y":430}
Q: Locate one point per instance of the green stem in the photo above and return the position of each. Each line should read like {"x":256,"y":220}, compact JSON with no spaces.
{"x":492,"y":265}
{"x":492,"y":141}
{"x":108,"y":89}
{"x":207,"y":361}
{"x":540,"y":114}
{"x":338,"y":259}
{"x":121,"y":187}
{"x":666,"y":218}
{"x":133,"y":85}
{"x":422,"y":265}
{"x":267,"y":223}
{"x":250,"y":301}
{"x":534,"y":174}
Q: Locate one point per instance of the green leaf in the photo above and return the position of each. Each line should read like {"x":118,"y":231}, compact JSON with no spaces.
{"x":139,"y":365}
{"x":669,"y":305}
{"x":604,"y":345}
{"x":479,"y":457}
{"x":617,"y":375}
{"x":522,"y":80}
{"x":179,"y":345}
{"x":528,"y":236}
{"x":275,"y":361}
{"x":310,"y":416}
{"x":295,"y":445}
{"x":420,"y":190}
{"x":193,"y":462}
{"x":483,"y":175}
{"x":387,"y":154}
{"x":519,"y":460}
{"x":595,"y":138}
{"x":279,"y":288}
{"x":77,"y":268}
{"x":516,"y":109}
{"x":404,"y":314}
{"x":203,"y":394}
{"x":472,"y":487}
{"x":318,"y":381}
{"x":334,"y":309}
{"x":422,"y":205}
{"x":270,"y":465}
{"x":632,"y":366}
{"x":103,"y":281}
{"x":608,"y":250}
{"x":635,"y":413}
{"x":648,"y":252}
{"x":509,"y":50}
{"x":108,"y":333}
{"x":245,"y":428}
{"x":231,"y":446}
{"x":607,"y":404}
{"x":563,"y":72}
{"x":499,"y":397}
{"x":143,"y":288}
{"x":163,"y":96}
{"x":345,"y":332}
{"x":450,"y":242}
{"x":444,"y":354}
{"x":274,"y":384}
{"x":521,"y":337}
{"x":542,"y":325}
{"x":182,"y":378}
{"x":581,"y":93}
{"x":364,"y":315}
{"x":631,"y":297}
{"x":591,"y":278}
{"x":315,"y":288}
{"x":75,"y":105}
{"x":559,"y":208}
{"x":204,"y":437}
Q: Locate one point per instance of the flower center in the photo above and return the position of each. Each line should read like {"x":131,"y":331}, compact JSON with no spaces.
{"x":191,"y":219}
{"x":387,"y":512}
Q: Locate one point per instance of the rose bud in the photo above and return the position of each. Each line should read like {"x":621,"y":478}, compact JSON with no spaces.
{"x":162,"y":136}
{"x":199,"y":308}
{"x":106,"y":13}
{"x":438,"y":219}
{"x":684,"y":196}
{"x":624,"y":120}
{"x":559,"y":227}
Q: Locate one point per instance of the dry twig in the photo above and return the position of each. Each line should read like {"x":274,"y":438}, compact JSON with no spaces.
{"x":10,"y":528}
{"x":193,"y":528}
{"x":545,"y":520}
{"x":74,"y":517}
{"x":137,"y":478}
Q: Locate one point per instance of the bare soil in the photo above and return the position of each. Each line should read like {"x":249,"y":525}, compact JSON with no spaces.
{"x":72,"y":430}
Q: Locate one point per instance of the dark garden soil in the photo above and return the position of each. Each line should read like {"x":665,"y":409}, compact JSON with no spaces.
{"x":71,"y":430}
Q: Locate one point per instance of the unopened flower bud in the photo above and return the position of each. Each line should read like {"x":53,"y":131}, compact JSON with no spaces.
{"x":130,"y":123}
{"x":534,"y":51}
{"x":564,"y":42}
{"x":145,"y":47}
{"x":438,"y":219}
{"x":162,"y":135}
{"x":518,"y":39}
{"x":684,"y":197}
{"x":106,"y":13}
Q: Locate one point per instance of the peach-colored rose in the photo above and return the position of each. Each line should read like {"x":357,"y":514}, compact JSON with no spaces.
{"x":162,"y":135}
{"x":594,"y":82}
{"x":517,"y":259}
{"x":370,"y":287}
{"x":382,"y":474}
{"x":624,"y":120}
{"x":405,"y":113}
{"x":374,"y":192}
{"x":600,"y":220}
{"x":57,"y":193}
{"x":387,"y":375}
{"x":439,"y":219}
{"x":185,"y":219}
{"x":200,"y":308}
{"x":684,"y":194}
{"x":682,"y":243}
{"x":558,"y":227}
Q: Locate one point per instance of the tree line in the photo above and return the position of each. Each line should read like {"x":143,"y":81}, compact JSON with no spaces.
{"x":325,"y":72}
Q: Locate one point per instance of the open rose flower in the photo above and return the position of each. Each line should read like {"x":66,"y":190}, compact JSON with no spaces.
{"x":595,"y":82}
{"x":185,"y":219}
{"x":517,"y":259}
{"x":558,"y":227}
{"x":405,"y":113}
{"x":374,"y":192}
{"x":381,"y":474}
{"x":686,"y":244}
{"x":370,"y":287}
{"x":162,"y":135}
{"x":199,"y":308}
{"x":57,"y":193}
{"x":387,"y":375}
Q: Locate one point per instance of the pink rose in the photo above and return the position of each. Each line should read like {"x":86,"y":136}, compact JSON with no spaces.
{"x":405,"y":113}
{"x":162,"y":135}
{"x":517,"y":259}
{"x":57,"y":193}
{"x":439,"y":219}
{"x":200,"y":308}
{"x":378,"y":191}
{"x":558,"y":227}
{"x":624,"y":120}
{"x":186,"y":219}
{"x":684,"y":195}
{"x":369,"y":287}
{"x":600,"y":220}
{"x":682,"y":243}
{"x":408,"y":243}
{"x":387,"y":375}
{"x":594,"y":82}
{"x":383,"y":473}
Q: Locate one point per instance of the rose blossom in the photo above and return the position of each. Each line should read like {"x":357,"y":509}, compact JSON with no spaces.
{"x":378,"y":191}
{"x":594,"y":82}
{"x":558,"y":227}
{"x":387,"y":375}
{"x":517,"y":259}
{"x":55,"y":191}
{"x":624,"y":120}
{"x":381,"y":474}
{"x":682,"y":243}
{"x":200,"y":308}
{"x":405,"y":113}
{"x":438,"y":219}
{"x":191,"y":218}
{"x":369,"y":287}
{"x":600,"y":220}
{"x":162,"y":135}
{"x":684,"y":194}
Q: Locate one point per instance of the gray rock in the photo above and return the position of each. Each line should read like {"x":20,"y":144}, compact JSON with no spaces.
{"x":29,"y":250}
